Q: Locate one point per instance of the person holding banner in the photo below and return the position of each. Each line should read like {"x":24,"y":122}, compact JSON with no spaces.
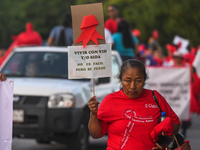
{"x":6,"y":112}
{"x":2,"y":77}
{"x":130,"y":116}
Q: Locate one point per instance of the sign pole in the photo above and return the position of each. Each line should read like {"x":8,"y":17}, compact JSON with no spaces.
{"x":93,"y":86}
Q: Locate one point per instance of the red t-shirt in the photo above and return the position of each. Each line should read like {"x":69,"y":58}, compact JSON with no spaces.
{"x":112,"y":25}
{"x":195,"y":95}
{"x":129,"y":122}
{"x":159,"y":61}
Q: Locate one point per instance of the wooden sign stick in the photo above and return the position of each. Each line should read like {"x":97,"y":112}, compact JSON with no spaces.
{"x":93,"y":86}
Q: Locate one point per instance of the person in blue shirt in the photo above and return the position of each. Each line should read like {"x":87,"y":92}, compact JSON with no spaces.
{"x":125,"y":42}
{"x":62,"y":35}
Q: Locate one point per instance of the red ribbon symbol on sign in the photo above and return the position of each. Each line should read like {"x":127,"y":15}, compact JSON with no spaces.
{"x":89,"y":32}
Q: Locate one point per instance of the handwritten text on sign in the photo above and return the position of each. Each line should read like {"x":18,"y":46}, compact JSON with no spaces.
{"x":91,"y":62}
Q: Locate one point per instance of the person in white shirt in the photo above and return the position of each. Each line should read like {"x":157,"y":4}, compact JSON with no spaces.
{"x":108,"y":36}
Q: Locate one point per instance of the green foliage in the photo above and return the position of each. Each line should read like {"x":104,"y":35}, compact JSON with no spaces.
{"x":89,"y":1}
{"x":44,"y":14}
{"x":179,"y":17}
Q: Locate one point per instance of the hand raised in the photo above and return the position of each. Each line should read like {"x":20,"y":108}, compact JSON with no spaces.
{"x":2,"y":77}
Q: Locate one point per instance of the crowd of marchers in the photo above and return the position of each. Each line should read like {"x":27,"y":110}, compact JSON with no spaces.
{"x":125,"y":41}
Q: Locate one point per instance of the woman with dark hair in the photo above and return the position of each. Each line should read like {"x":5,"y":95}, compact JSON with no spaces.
{"x":124,"y":42}
{"x":62,"y":35}
{"x":130,"y":116}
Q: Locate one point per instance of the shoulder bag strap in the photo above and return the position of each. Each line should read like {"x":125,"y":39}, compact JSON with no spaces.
{"x":155,"y":98}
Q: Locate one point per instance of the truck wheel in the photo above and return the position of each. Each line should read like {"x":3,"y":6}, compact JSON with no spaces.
{"x":79,"y":141}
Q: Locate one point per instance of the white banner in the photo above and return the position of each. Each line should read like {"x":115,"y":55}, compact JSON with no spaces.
{"x":174,"y":85}
{"x":196,"y":63}
{"x":90,"y":62}
{"x":6,"y":114}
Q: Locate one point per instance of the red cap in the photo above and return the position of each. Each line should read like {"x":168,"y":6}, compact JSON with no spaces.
{"x":171,"y":48}
{"x":29,"y":27}
{"x":141,"y":47}
{"x":193,"y":51}
{"x":155,"y":34}
{"x":136,"y":32}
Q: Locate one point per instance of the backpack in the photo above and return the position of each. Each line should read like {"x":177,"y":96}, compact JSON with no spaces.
{"x":61,"y":38}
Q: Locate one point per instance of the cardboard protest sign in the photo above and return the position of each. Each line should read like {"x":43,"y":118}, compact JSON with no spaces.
{"x":90,"y":57}
{"x":78,"y":14}
{"x":91,"y":62}
{"x":174,"y":85}
{"x":6,"y":114}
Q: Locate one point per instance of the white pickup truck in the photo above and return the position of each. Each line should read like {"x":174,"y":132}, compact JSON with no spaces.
{"x":47,"y":106}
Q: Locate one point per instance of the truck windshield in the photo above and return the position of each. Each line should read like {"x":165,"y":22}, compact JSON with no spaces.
{"x":37,"y":64}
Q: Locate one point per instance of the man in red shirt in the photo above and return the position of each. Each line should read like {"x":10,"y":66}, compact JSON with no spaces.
{"x":112,"y":23}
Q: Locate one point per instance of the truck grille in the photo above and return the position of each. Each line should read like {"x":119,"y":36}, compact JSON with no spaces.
{"x":34,"y":108}
{"x":29,"y":100}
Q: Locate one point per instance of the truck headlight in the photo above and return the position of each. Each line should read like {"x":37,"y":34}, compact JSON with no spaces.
{"x":61,"y":101}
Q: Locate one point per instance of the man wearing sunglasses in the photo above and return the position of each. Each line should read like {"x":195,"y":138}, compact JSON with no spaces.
{"x":112,"y":23}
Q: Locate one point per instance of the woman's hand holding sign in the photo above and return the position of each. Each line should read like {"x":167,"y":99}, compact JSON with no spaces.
{"x":93,"y":105}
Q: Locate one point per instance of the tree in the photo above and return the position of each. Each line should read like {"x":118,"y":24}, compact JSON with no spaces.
{"x":44,"y":14}
{"x":179,"y":17}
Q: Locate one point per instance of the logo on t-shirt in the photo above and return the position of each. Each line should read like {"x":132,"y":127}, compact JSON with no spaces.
{"x":131,"y":115}
{"x":133,"y":118}
{"x":151,"y":106}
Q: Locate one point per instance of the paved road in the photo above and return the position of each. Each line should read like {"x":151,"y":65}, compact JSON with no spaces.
{"x":29,"y":144}
{"x":193,"y":135}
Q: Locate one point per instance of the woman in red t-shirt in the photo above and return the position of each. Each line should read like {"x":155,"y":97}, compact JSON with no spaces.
{"x":130,"y":116}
